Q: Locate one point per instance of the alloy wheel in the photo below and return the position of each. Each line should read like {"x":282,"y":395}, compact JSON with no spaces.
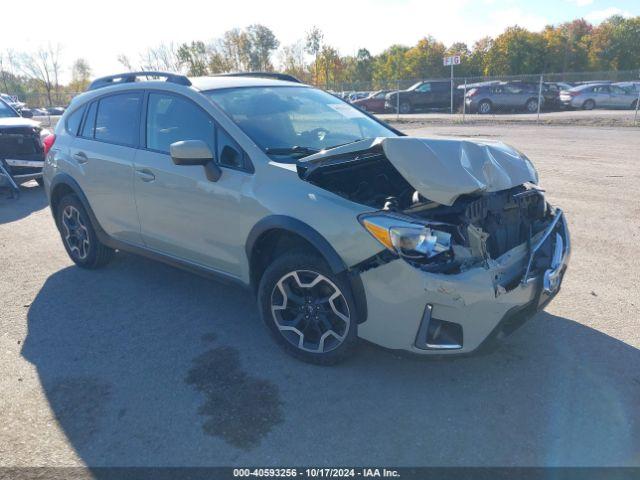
{"x":310,"y":311}
{"x":76,"y":235}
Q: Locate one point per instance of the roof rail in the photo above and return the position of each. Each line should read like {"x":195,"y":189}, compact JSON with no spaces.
{"x":130,"y":77}
{"x":277,"y":76}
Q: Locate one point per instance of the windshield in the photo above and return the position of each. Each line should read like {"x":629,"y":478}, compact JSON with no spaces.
{"x":295,"y":121}
{"x":6,"y":110}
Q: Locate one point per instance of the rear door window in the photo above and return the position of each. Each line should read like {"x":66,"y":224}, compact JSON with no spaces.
{"x":118,"y":119}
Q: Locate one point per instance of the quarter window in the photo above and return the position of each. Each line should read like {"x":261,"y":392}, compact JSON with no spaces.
{"x":89,"y":121}
{"x":118,"y":119}
{"x":172,"y":119}
{"x":73,"y":121}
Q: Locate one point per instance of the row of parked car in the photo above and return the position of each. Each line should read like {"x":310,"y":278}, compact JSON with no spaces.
{"x":489,"y":97}
{"x":28,"y":112}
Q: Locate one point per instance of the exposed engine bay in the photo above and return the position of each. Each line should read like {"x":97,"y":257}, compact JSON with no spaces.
{"x":481,"y":225}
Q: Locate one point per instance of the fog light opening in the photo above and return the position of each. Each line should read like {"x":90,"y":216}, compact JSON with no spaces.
{"x":441,"y":334}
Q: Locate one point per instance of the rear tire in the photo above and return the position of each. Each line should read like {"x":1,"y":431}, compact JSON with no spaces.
{"x":78,"y":235}
{"x":532,"y":105}
{"x":308,"y":309}
{"x":588,"y":105}
{"x":405,"y":107}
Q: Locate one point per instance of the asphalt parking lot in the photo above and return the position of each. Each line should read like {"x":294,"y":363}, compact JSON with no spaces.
{"x":143,"y":364}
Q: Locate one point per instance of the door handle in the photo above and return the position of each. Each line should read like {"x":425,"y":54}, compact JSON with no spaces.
{"x":146,"y":175}
{"x":81,"y":157}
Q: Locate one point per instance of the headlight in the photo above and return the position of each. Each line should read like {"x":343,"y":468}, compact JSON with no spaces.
{"x":407,"y":239}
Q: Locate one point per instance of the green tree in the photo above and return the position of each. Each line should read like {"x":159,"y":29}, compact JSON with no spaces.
{"x":516,"y":51}
{"x":389,"y":66}
{"x":313,"y":45}
{"x":260,"y":44}
{"x":614,"y":44}
{"x":195,"y":57}
{"x":425,"y":59}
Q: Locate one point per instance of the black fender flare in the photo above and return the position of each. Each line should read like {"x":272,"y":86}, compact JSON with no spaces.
{"x":68,"y":181}
{"x":333,"y":259}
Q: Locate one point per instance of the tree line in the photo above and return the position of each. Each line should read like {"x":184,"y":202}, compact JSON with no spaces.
{"x":575,"y":46}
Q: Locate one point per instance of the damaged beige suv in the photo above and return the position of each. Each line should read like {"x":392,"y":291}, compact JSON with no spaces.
{"x":342,"y":226}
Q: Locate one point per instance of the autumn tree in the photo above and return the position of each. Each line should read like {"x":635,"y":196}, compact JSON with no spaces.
{"x":80,"y":75}
{"x":614,"y":44}
{"x":425,"y":59}
{"x":516,"y":51}
{"x":292,"y":60}
{"x":313,"y":44}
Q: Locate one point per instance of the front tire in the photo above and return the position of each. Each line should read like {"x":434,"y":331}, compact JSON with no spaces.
{"x":78,"y":235}
{"x":308,"y":309}
{"x":484,"y":107}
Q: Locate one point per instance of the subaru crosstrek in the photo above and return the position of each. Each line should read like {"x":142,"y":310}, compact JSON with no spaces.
{"x":341,"y":225}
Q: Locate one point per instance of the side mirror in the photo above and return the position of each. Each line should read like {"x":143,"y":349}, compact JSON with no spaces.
{"x":195,"y":152}
{"x":26,"y":113}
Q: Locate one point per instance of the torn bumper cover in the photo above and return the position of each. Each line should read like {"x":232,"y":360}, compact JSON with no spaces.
{"x":431,"y":313}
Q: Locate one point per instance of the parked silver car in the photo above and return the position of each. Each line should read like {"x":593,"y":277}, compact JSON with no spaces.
{"x":503,"y":96}
{"x":599,"y":95}
{"x":342,"y":226}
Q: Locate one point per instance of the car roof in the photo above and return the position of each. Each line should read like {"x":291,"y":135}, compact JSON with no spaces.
{"x":228,"y":81}
{"x":589,"y":85}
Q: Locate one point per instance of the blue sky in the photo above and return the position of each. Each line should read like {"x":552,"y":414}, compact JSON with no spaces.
{"x":128,"y":26}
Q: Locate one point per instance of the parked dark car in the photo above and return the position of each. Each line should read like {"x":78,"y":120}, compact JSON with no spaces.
{"x":425,"y":95}
{"x":504,"y":96}
{"x":23,"y":146}
{"x":374,"y":102}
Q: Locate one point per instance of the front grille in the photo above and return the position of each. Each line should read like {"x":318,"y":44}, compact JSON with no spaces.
{"x":19,"y":141}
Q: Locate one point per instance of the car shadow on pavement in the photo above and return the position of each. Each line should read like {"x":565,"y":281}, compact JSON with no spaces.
{"x":146,"y":365}
{"x":32,"y":199}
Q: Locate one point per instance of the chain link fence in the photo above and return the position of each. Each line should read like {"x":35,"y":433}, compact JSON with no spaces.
{"x":542,"y":98}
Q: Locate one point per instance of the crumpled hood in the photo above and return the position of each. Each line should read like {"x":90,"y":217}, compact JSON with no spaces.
{"x":443,"y":169}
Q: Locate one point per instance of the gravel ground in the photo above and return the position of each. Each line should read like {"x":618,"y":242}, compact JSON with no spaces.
{"x":601,"y":118}
{"x":143,"y":364}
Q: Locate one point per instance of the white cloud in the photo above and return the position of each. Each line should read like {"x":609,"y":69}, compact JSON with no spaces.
{"x":598,"y":16}
{"x":580,"y":3}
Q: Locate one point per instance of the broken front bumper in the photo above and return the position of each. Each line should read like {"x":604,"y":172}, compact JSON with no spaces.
{"x":428,"y":313}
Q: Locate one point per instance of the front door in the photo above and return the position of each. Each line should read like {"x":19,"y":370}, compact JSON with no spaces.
{"x":182,"y":213}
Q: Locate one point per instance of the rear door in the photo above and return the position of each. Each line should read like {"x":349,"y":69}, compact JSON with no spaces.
{"x":619,"y":97}
{"x":441,"y":94}
{"x":102,"y":156}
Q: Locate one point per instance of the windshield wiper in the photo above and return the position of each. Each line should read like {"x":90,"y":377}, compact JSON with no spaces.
{"x":295,"y":150}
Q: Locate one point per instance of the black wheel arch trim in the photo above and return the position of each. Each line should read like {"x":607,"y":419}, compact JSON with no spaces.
{"x":334,"y":260}
{"x":68,"y":181}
